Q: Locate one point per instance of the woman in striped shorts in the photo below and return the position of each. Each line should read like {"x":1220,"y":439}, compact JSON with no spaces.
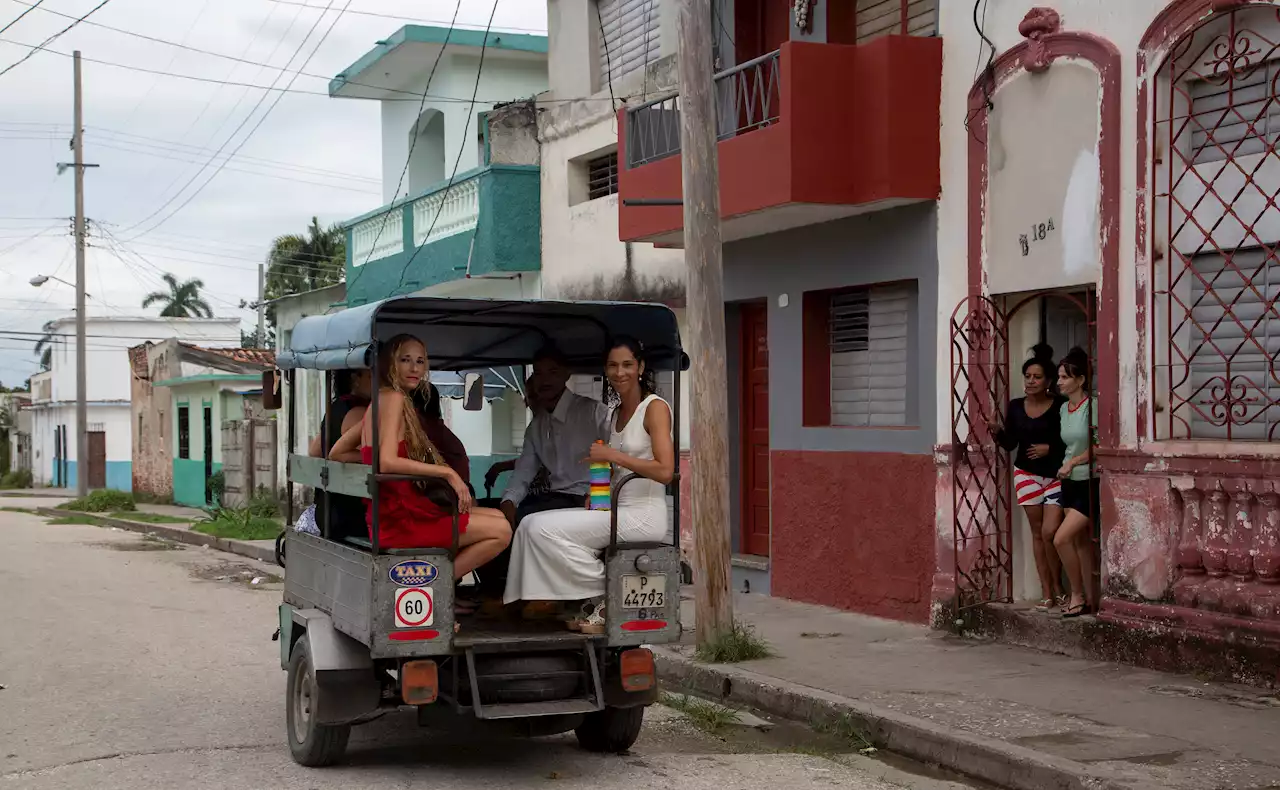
{"x":1031,"y":426}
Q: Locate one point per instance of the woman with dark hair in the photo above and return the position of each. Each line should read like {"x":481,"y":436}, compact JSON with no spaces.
{"x":1031,"y":427}
{"x":344,"y":515}
{"x":1080,"y":490}
{"x":427,"y":402}
{"x":417,"y":514}
{"x":556,"y":553}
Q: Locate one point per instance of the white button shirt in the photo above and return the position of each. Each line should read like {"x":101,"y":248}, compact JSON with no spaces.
{"x":560,"y":440}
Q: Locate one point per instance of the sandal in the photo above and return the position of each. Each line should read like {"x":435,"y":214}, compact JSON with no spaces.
{"x":1079,"y":610}
{"x":1046,"y":605}
{"x":591,"y":624}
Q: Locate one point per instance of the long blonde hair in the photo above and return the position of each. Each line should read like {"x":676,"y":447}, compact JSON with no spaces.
{"x":415,"y":434}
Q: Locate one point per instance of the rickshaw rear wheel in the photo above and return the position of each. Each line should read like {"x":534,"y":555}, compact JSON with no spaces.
{"x":610,"y":730}
{"x":311,"y":743}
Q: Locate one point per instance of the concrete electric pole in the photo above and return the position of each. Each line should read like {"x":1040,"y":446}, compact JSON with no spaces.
{"x":705,"y":310}
{"x":82,"y":405}
{"x":262,"y":306}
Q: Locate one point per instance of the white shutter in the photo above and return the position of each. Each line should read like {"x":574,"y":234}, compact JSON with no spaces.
{"x":1228,"y":108}
{"x":869,"y":331}
{"x":631,"y":39}
{"x":1212,"y":337}
{"x":876,"y":18}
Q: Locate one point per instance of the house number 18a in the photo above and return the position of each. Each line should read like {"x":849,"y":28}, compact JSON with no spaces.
{"x":1039,"y":232}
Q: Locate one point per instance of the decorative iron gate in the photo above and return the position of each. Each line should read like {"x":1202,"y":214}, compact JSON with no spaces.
{"x":982,"y":501}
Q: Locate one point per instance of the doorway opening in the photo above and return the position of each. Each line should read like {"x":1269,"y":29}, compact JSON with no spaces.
{"x":208,"y":454}
{"x":990,"y":339}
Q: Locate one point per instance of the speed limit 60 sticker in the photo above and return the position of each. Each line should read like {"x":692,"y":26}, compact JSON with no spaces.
{"x":414,"y":607}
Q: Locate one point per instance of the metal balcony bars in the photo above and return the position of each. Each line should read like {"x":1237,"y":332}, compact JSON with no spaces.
{"x":748,"y":97}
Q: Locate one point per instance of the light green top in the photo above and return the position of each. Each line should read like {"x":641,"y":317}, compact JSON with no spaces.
{"x":1076,"y":434}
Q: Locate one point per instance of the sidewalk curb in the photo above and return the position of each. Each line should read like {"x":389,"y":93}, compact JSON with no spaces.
{"x":177,"y":535}
{"x":989,"y":760}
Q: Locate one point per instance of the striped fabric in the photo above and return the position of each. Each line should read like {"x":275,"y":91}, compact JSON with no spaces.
{"x":1034,"y":489}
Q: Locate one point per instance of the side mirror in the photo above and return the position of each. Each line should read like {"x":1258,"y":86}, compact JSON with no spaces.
{"x":271,"y":399}
{"x":473,"y":392}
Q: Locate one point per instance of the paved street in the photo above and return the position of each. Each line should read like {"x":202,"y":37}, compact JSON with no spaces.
{"x":130,"y":663}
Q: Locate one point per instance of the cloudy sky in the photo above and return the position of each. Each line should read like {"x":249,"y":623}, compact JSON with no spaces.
{"x":168,"y":195}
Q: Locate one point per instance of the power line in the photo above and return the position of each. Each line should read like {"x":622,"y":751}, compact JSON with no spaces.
{"x":458,"y":161}
{"x":252,"y":131}
{"x":418,"y":20}
{"x":50,"y":39}
{"x":18,"y":18}
{"x":413,"y":143}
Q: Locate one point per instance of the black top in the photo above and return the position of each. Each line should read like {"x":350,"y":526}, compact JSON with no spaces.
{"x":348,"y":511}
{"x":1022,"y":431}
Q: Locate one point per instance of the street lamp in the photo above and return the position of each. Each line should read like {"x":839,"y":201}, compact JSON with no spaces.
{"x":41,"y":279}
{"x":82,"y":400}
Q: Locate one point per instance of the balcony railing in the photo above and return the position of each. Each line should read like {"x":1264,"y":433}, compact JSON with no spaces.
{"x":380,"y":236}
{"x":438,"y":215}
{"x":747,"y":98}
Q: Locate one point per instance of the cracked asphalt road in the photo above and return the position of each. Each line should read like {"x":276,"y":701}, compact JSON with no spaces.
{"x":132,"y":668}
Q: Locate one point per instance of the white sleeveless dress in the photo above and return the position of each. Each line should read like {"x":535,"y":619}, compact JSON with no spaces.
{"x":555,"y":555}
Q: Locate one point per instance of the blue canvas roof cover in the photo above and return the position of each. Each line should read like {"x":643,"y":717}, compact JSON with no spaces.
{"x":474,"y":334}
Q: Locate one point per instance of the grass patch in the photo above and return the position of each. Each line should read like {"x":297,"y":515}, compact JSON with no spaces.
{"x":146,"y":498}
{"x":706,"y":716}
{"x":17,"y":510}
{"x":102,"y":502}
{"x":847,"y":729}
{"x":238,"y":524}
{"x":738,"y":644}
{"x":16,"y":479}
{"x":150,"y":518}
{"x":76,"y":519}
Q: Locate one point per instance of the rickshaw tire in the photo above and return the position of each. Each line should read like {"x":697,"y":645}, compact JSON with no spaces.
{"x":325,"y":744}
{"x":612,"y":730}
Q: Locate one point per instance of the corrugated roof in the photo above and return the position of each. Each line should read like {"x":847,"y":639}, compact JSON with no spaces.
{"x":250,"y":356}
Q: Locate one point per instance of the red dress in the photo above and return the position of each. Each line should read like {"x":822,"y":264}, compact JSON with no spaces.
{"x":407,"y":518}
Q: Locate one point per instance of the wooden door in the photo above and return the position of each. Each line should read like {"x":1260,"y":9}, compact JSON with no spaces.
{"x":761,"y":26}
{"x":754,"y":409}
{"x":97,"y":459}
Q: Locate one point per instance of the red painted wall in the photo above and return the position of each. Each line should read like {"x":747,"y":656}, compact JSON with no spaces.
{"x":852,"y":530}
{"x":857,"y":125}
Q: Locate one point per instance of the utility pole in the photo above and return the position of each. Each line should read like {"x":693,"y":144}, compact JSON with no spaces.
{"x":705,"y":308}
{"x":262,"y":306}
{"x":82,"y":404}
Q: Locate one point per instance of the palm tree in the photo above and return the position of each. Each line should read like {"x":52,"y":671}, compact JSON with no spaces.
{"x":301,"y":263}
{"x":182,"y":300}
{"x":44,"y":346}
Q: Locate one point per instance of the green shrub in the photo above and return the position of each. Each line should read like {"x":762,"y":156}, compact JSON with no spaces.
{"x":264,"y":505}
{"x":217,"y":486}
{"x":102,"y":502}
{"x":18,"y":478}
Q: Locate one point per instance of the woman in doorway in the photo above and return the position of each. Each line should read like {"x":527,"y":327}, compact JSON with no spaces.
{"x":416,"y":514}
{"x":556,"y":553}
{"x":1031,"y":426}
{"x":1074,"y":539}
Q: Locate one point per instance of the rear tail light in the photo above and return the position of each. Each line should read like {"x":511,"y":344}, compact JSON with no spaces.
{"x":419,"y":682}
{"x":637,"y":669}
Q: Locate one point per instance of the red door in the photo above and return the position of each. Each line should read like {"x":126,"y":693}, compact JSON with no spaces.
{"x":755,"y":429}
{"x":761,"y":26}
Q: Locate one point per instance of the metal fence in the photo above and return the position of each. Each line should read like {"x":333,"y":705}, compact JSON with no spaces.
{"x":748,"y":97}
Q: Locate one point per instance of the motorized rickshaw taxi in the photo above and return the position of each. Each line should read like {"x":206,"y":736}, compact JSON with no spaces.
{"x":364,"y":628}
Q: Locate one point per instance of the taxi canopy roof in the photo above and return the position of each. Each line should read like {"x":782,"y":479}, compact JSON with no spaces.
{"x":475,"y":334}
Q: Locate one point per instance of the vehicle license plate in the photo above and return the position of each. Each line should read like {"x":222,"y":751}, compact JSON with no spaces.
{"x":644,"y":591}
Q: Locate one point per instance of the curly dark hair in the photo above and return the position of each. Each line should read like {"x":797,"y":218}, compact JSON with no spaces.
{"x":648,"y":379}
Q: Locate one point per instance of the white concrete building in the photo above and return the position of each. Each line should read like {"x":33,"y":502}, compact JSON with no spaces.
{"x":108,"y":377}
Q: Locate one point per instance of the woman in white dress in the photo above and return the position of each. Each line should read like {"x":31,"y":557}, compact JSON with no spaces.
{"x":555,"y":555}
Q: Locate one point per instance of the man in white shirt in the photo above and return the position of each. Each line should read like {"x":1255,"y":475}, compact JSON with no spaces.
{"x":559,"y":437}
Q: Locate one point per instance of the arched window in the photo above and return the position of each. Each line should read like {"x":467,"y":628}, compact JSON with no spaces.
{"x":426,"y":141}
{"x":1215,"y":230}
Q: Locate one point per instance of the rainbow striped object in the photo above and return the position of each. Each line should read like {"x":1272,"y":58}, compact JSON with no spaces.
{"x":601,"y":472}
